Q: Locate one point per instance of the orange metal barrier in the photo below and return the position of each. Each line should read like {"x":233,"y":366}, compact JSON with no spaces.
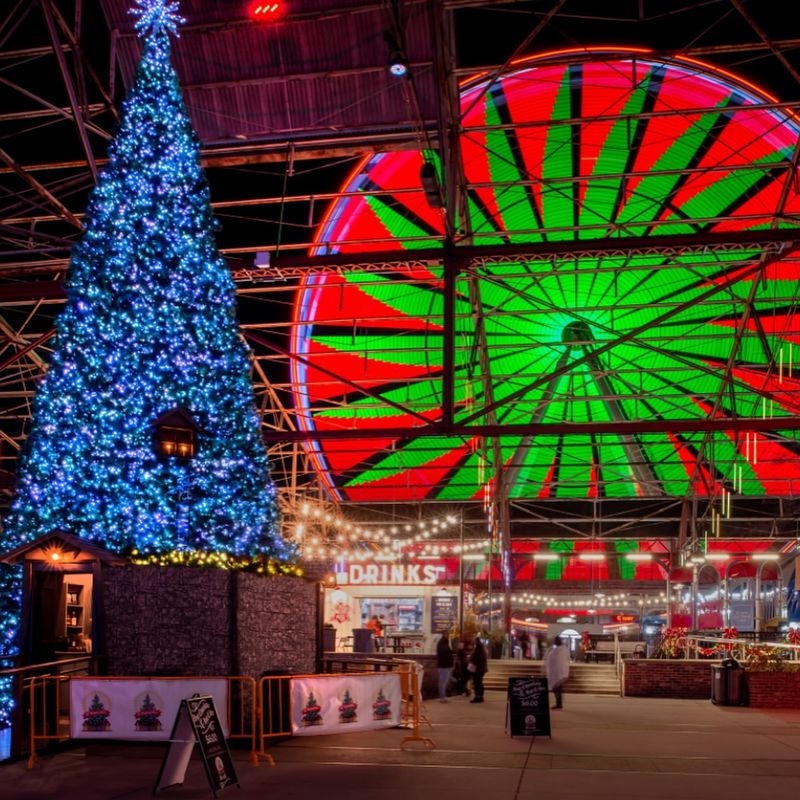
{"x":275,"y":711}
{"x":50,"y":712}
{"x":256,"y":712}
{"x":412,"y":696}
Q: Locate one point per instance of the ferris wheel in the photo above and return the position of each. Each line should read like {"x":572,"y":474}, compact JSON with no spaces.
{"x":563,"y":152}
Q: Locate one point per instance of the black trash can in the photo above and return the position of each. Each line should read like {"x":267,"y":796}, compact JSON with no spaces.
{"x":727,"y":683}
{"x":328,"y":638}
{"x":363,"y":641}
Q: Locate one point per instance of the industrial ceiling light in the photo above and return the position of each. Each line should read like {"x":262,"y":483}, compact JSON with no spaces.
{"x":266,"y":12}
{"x":398,"y":65}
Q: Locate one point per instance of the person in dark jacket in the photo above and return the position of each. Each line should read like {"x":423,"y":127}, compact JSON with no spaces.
{"x":524,"y":640}
{"x":460,"y":674}
{"x":478,"y":666}
{"x":444,"y":663}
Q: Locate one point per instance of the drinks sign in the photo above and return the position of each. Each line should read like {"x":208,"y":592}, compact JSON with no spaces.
{"x":399,"y":574}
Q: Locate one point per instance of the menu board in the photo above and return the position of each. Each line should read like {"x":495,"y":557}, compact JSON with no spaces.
{"x":444,"y":609}
{"x":197,"y":722}
{"x":528,"y":712}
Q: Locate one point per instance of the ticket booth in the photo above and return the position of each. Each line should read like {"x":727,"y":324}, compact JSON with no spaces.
{"x":62,"y":610}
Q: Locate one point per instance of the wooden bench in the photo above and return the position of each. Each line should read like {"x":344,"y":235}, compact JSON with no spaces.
{"x":605,"y":650}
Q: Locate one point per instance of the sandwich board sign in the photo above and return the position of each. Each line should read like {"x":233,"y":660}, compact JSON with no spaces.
{"x":197,"y":722}
{"x":527,"y":710}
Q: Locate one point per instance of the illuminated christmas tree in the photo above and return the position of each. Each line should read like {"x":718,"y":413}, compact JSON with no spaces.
{"x":148,"y":333}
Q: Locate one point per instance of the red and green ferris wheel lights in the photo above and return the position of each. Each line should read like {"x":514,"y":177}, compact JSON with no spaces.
{"x":574,"y":149}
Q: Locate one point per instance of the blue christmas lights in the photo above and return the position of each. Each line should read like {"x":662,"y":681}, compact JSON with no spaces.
{"x":149,"y":326}
{"x":157,"y":15}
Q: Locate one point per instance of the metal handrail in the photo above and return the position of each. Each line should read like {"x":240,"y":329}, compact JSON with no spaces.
{"x":12,"y":671}
{"x":728,"y":644}
{"x":23,"y":678}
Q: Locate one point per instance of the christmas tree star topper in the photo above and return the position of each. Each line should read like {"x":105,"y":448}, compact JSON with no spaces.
{"x":157,"y":15}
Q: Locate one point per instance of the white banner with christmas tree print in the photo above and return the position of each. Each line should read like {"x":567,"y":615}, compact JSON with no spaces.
{"x":143,"y":708}
{"x":345,"y":703}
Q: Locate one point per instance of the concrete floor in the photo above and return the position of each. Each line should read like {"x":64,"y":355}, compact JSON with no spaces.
{"x":601,"y":748}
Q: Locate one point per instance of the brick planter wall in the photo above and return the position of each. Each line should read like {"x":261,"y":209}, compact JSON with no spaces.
{"x":774,"y":689}
{"x":667,"y":678}
{"x":194,"y":621}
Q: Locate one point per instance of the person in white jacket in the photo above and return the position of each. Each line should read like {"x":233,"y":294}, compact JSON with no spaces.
{"x":556,"y":668}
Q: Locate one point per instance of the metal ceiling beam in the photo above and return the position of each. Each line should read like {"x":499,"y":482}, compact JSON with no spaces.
{"x":40,"y":189}
{"x":77,"y":111}
{"x":616,"y":427}
{"x":470,"y":256}
{"x":276,"y":348}
{"x":740,"y":275}
{"x":759,"y":31}
{"x":672,"y":243}
{"x":24,"y":351}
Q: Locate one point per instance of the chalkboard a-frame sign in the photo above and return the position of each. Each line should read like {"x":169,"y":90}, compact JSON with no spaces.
{"x":527,"y":710}
{"x":197,"y":722}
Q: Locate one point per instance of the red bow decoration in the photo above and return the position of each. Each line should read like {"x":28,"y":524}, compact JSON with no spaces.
{"x":729,"y":633}
{"x":793,"y":635}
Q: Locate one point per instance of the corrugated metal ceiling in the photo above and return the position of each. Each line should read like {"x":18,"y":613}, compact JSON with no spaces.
{"x":321,"y":70}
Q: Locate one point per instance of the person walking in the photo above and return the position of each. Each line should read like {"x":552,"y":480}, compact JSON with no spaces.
{"x":478,"y":666}
{"x":444,"y":663}
{"x":556,"y":668}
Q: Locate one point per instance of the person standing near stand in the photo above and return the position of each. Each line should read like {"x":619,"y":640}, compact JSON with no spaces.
{"x":556,"y":668}
{"x":377,"y":630}
{"x":444,"y":663}
{"x":460,"y":672}
{"x":478,"y":666}
{"x":524,"y":640}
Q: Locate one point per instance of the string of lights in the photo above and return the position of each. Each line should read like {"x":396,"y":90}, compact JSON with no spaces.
{"x":318,"y":534}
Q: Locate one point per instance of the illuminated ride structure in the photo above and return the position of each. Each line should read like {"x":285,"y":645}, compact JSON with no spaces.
{"x":556,"y":298}
{"x":613,"y":324}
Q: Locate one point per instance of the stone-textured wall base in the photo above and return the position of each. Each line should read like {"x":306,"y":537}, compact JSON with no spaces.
{"x":194,"y":621}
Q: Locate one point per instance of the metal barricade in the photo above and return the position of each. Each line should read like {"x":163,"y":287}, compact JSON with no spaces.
{"x":51,"y":720}
{"x":256,"y":711}
{"x":274,"y":701}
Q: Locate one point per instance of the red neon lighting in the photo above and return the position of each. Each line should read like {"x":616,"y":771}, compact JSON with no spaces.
{"x":266,"y":11}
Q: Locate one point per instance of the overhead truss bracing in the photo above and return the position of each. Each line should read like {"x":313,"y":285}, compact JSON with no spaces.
{"x":707,"y":360}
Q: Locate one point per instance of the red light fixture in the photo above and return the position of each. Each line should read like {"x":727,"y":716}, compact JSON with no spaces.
{"x":266,"y":11}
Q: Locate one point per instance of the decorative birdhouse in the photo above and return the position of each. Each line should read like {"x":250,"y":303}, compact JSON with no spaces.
{"x":176,"y":434}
